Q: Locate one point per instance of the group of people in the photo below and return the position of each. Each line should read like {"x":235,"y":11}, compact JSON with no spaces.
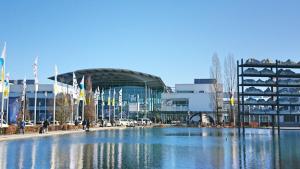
{"x":44,"y":127}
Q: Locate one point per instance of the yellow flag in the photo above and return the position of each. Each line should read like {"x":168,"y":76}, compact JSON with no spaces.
{"x":232,"y":101}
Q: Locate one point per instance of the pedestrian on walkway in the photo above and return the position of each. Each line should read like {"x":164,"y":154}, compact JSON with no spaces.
{"x":22,"y":127}
{"x":45,"y":126}
{"x":84,"y":124}
{"x":76,"y":124}
{"x":88,"y":125}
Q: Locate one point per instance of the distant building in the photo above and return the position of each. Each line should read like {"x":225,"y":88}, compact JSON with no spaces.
{"x":194,"y":98}
{"x":44,"y":99}
{"x":140,"y":97}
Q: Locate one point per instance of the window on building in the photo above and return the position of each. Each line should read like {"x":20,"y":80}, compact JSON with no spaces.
{"x":185,"y":91}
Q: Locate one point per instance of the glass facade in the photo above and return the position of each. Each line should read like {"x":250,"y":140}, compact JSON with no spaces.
{"x":136,"y":102}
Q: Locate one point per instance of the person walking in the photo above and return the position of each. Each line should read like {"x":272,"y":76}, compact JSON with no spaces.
{"x":87,"y":125}
{"x":84,"y":124}
{"x":76,"y":124}
{"x":45,"y":126}
{"x":22,"y":127}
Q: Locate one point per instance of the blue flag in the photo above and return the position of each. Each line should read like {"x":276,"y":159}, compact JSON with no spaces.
{"x":1,"y":61}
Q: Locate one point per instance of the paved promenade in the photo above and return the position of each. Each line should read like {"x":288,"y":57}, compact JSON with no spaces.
{"x":52,"y":133}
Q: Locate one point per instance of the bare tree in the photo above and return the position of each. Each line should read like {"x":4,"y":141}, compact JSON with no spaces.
{"x":90,"y":106}
{"x":216,"y":87}
{"x":23,"y":109}
{"x":63,"y":110}
{"x":230,"y":81}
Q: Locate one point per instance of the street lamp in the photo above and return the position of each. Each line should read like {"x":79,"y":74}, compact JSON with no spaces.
{"x":45,"y":105}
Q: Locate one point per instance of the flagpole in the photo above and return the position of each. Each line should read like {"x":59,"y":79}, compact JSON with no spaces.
{"x":24,"y":103}
{"x":3,"y":76}
{"x":54,"y":106}
{"x":36,"y":84}
{"x":95,"y":113}
{"x":120,"y":100}
{"x":7,"y":105}
{"x":82,"y":110}
{"x":121,"y":112}
{"x":114,"y":104}
{"x":77,"y":109}
{"x":55,"y":92}
{"x":138,"y":106}
{"x":35,"y":101}
{"x":72,"y":104}
{"x":109,"y":104}
{"x":102,"y":104}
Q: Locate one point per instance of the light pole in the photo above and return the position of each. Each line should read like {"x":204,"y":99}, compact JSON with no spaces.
{"x":45,"y":105}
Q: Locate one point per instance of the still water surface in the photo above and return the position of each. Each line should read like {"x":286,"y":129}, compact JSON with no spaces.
{"x":156,"y":148}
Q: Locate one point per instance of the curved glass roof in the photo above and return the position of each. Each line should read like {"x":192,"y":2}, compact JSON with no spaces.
{"x":107,"y":77}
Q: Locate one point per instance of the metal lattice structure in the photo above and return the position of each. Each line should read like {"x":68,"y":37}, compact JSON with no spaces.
{"x":279,"y":78}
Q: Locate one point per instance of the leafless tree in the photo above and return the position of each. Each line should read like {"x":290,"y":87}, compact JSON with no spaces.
{"x":23,"y":110}
{"x":63,"y":107}
{"x":216,"y":88}
{"x":90,"y":106}
{"x":230,"y":81}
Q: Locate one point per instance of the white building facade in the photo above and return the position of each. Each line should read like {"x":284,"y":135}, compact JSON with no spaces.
{"x":192,"y":98}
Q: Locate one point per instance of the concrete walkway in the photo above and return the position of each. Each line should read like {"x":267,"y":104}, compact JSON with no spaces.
{"x":53,"y":133}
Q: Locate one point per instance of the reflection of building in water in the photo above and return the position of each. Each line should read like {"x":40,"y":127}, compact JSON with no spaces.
{"x":120,"y":146}
{"x":113,"y":156}
{"x":3,"y":155}
{"x":235,"y":150}
{"x":80,"y":157}
{"x":21,"y":156}
{"x":33,"y":154}
{"x":88,"y":156}
{"x":76,"y":156}
{"x":101,"y":155}
{"x":108,"y":155}
{"x":53,"y":155}
{"x":95,"y":155}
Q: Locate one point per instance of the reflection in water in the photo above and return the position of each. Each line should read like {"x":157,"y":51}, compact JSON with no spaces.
{"x":3,"y":154}
{"x":155,"y":148}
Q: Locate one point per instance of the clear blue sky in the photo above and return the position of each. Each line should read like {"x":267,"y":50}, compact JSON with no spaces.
{"x":171,"y":39}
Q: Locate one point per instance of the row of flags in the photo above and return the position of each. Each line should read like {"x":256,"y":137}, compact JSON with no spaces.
{"x":79,"y":92}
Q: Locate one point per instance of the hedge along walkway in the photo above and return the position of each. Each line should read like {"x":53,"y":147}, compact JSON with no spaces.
{"x":52,"y":133}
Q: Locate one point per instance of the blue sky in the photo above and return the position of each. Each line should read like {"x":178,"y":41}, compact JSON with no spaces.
{"x":171,"y":39}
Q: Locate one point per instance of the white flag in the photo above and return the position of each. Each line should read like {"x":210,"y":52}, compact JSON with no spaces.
{"x":75,"y":87}
{"x":102,"y":97}
{"x":35,"y":72}
{"x":96,"y":96}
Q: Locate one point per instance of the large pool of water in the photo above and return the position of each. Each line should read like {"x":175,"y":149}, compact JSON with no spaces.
{"x":156,"y":148}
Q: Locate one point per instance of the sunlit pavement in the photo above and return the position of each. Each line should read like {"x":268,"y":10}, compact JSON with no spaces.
{"x":52,"y":133}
